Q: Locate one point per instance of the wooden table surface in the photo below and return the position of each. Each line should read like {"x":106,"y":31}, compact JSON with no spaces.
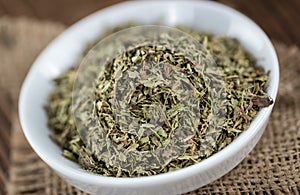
{"x":280,"y":19}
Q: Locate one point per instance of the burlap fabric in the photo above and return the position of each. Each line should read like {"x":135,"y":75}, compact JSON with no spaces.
{"x":273,"y":167}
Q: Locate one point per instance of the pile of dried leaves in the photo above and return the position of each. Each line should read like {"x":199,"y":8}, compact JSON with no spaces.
{"x":170,"y":108}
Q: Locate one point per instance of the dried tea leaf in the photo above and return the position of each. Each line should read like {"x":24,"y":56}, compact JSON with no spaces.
{"x":154,"y":105}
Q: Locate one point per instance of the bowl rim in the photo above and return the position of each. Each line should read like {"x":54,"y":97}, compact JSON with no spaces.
{"x":206,"y":164}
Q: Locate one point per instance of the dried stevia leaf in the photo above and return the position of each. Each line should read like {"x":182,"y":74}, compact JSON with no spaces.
{"x":245,"y":94}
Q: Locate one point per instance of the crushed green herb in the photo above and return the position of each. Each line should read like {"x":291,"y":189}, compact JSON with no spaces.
{"x":154,"y":105}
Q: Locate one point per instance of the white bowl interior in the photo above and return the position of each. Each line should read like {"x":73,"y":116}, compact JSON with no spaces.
{"x":63,"y":52}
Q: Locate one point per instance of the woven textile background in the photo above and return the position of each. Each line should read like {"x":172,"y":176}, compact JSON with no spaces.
{"x":272,"y":167}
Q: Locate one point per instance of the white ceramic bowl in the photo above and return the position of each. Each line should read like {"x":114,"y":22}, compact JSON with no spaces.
{"x":63,"y":52}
